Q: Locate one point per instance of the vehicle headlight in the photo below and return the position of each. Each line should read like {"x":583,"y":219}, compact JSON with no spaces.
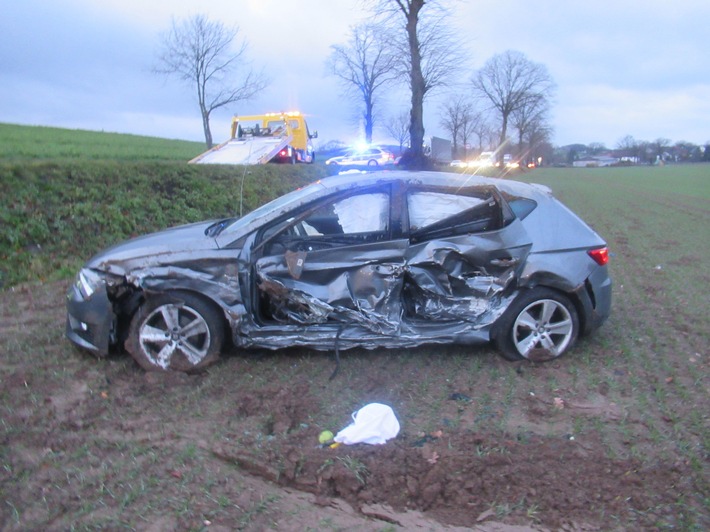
{"x":87,"y":281}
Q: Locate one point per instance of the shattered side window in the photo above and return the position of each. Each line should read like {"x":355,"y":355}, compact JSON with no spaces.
{"x":441,"y":214}
{"x":355,"y":219}
{"x":428,"y":208}
{"x":365,"y":213}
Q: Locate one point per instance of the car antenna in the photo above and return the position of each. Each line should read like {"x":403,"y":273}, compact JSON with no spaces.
{"x":241,"y":186}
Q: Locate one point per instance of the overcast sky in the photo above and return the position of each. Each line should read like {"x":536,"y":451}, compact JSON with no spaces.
{"x":622,"y":67}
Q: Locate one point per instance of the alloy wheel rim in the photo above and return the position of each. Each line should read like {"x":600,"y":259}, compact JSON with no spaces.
{"x":543,"y":326}
{"x":173,"y":330}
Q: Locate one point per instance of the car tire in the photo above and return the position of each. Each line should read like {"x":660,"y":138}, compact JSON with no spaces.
{"x":176,"y":331}
{"x":372,"y":163}
{"x":541,"y":324}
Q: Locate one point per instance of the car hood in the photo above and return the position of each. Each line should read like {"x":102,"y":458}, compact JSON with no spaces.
{"x":156,"y":248}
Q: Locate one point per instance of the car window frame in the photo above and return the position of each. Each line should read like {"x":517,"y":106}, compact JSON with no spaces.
{"x":442,"y":229}
{"x":291,"y":219}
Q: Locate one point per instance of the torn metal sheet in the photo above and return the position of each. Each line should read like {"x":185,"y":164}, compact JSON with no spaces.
{"x":348,"y":290}
{"x":439,"y":283}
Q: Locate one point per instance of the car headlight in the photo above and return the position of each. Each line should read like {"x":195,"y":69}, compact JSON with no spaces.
{"x":87,"y":281}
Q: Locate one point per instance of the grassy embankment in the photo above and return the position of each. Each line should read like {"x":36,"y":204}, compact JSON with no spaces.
{"x":66,"y":194}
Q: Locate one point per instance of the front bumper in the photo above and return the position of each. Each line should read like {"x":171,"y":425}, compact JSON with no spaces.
{"x":91,"y":321}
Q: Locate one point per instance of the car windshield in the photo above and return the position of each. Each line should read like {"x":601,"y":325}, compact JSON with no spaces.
{"x":272,"y":206}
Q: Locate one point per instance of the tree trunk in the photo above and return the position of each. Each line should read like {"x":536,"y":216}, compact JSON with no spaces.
{"x":206,"y":128}
{"x":368,"y":120}
{"x":416,"y":128}
{"x":503,"y":130}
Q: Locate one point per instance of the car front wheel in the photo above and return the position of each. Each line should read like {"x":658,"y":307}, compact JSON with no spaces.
{"x":541,"y":324}
{"x":175,"y":332}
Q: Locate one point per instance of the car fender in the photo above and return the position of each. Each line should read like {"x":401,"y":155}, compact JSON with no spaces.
{"x":562,"y":270}
{"x":570,"y":272}
{"x":219,"y":285}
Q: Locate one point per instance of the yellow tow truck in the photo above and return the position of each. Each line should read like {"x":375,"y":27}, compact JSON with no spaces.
{"x":259,"y":139}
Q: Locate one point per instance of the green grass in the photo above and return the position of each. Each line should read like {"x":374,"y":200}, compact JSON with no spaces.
{"x":656,"y":221}
{"x":65,"y":194}
{"x":55,"y":215}
{"x":32,"y":143}
{"x":648,"y":362}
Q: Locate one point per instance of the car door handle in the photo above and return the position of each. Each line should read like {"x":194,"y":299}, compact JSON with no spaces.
{"x":505,"y":263}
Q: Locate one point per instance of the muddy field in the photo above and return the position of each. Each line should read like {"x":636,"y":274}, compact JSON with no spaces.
{"x":577,"y":444}
{"x":614,"y":436}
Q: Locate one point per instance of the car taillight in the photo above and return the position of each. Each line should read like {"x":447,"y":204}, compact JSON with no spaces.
{"x":600,"y":255}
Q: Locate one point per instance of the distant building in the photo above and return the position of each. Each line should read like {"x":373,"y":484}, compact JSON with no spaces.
{"x":596,"y":161}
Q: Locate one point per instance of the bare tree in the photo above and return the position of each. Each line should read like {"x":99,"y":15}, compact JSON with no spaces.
{"x":470,"y":126}
{"x":451,"y":118}
{"x":535,"y":143}
{"x":628,"y":146}
{"x":398,"y":129}
{"x":200,"y":52}
{"x":428,"y":56}
{"x":661,"y":146}
{"x":484,"y":131}
{"x":364,"y":66}
{"x":458,"y":119}
{"x":531,"y":124}
{"x":511,"y":82}
{"x":596,"y":147}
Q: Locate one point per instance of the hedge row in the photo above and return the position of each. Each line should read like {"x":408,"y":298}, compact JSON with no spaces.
{"x":54,"y":215}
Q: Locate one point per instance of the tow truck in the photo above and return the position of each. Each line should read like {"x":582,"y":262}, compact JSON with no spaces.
{"x":259,"y":139}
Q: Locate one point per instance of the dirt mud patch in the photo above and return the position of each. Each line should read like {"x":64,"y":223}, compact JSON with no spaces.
{"x":589,"y":442}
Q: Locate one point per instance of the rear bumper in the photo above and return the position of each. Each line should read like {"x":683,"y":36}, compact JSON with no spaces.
{"x":595,"y":298}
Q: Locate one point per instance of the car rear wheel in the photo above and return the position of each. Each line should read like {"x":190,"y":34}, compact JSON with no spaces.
{"x":541,"y":324}
{"x":175,"y":332}
{"x":372,"y":162}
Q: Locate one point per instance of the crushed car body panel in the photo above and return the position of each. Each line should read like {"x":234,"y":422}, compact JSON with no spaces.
{"x":391,"y":259}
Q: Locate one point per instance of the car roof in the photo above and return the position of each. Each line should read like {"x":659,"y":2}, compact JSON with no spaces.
{"x":357,"y":179}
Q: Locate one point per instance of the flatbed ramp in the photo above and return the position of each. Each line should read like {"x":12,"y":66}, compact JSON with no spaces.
{"x":249,"y":150}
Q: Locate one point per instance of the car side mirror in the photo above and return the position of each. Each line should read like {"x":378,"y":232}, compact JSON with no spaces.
{"x":314,"y":135}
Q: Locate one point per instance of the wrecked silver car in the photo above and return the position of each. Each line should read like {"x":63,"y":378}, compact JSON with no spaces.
{"x":390,"y":259}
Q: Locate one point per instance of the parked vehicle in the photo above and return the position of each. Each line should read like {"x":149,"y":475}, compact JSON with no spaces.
{"x":371,"y":156}
{"x":386,"y":259}
{"x":439,"y":150}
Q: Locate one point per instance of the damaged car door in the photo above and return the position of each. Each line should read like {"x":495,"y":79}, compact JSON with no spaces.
{"x":466,"y":252}
{"x":334,"y":264}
